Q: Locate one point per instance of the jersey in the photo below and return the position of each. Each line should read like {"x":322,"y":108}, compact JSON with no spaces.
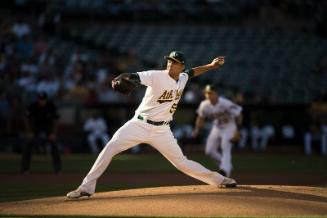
{"x":223,"y":112}
{"x":162,"y":94}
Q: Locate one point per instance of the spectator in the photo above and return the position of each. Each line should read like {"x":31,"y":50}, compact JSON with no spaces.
{"x":79,"y":93}
{"x":25,"y":47}
{"x":48,"y":84}
{"x":49,"y":21}
{"x":20,"y":28}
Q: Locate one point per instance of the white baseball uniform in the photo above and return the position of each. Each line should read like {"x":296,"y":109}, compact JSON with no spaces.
{"x":151,"y":125}
{"x":310,"y":136}
{"x":97,"y":128}
{"x":223,"y":114}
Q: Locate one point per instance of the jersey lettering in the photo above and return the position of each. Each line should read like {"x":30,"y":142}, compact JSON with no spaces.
{"x":167,"y":96}
{"x":178,"y":94}
{"x":173,"y":108}
{"x":222,"y":117}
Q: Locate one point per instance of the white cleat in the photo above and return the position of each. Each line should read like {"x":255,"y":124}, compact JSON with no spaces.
{"x":228,"y":183}
{"x":78,"y":193}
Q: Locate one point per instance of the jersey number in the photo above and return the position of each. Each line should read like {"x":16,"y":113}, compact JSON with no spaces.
{"x":173,"y":108}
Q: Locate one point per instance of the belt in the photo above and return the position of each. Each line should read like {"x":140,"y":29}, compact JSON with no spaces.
{"x":156,"y":123}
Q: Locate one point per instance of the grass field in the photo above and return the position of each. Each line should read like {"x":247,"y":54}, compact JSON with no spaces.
{"x":33,"y":185}
{"x":245,"y":162}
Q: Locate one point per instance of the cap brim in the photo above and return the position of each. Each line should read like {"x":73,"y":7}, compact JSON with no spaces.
{"x":208,"y":90}
{"x":174,"y":59}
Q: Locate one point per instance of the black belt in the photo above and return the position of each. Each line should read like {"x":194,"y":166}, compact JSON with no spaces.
{"x":156,"y":123}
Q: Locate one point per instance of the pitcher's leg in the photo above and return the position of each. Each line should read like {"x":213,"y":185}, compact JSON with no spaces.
{"x":126,"y":137}
{"x":167,"y":145}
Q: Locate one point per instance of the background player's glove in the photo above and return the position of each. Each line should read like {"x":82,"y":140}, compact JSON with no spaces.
{"x":236,"y":137}
{"x":123,"y":85}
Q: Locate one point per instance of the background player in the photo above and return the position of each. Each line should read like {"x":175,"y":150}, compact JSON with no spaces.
{"x":225,"y":115}
{"x":151,"y":123}
{"x":96,"y":129}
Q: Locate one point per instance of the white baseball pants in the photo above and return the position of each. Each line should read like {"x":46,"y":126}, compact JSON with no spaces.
{"x":161,"y":138}
{"x":309,"y":137}
{"x":220,"y":137}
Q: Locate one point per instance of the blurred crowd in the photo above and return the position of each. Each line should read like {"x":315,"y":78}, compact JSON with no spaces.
{"x":34,"y":58}
{"x":30,"y":64}
{"x":31,"y":61}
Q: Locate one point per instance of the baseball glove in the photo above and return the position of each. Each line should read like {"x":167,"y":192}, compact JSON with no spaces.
{"x":123,"y":85}
{"x":236,"y":137}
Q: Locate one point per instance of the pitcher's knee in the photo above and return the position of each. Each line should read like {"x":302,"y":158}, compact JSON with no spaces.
{"x":113,"y":147}
{"x":180,"y":163}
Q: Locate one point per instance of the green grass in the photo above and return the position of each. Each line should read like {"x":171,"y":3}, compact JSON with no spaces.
{"x":276,"y":163}
{"x":260,"y":163}
{"x":79,"y":165}
{"x":27,"y":192}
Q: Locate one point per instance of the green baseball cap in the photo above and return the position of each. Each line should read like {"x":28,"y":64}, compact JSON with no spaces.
{"x":176,"y":56}
{"x":209,"y":88}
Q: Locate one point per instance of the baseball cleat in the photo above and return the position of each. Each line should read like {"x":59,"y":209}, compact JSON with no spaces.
{"x":222,"y":172}
{"x":228,"y":183}
{"x":78,"y":193}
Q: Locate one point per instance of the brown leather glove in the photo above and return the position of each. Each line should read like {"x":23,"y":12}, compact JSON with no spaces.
{"x":236,"y":137}
{"x":123,"y":85}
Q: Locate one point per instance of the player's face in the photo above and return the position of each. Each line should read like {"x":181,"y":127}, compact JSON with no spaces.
{"x":212,"y":97}
{"x":174,"y":66}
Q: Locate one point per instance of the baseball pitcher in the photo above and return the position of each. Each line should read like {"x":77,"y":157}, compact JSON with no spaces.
{"x":225,"y":116}
{"x":151,"y":122}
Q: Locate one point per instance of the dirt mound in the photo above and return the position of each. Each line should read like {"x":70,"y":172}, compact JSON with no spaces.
{"x":195,"y":200}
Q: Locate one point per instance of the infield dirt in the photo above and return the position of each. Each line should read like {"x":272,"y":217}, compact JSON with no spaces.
{"x":192,"y":200}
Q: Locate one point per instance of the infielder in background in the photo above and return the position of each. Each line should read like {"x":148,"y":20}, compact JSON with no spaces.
{"x":151,"y":123}
{"x":225,"y":116}
{"x":96,"y":129}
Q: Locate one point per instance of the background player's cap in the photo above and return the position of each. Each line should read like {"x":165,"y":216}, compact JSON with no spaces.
{"x":176,"y":56}
{"x":42,"y":95}
{"x":209,"y":88}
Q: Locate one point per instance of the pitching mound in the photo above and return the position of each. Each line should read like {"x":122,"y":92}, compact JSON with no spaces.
{"x":197,"y":200}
